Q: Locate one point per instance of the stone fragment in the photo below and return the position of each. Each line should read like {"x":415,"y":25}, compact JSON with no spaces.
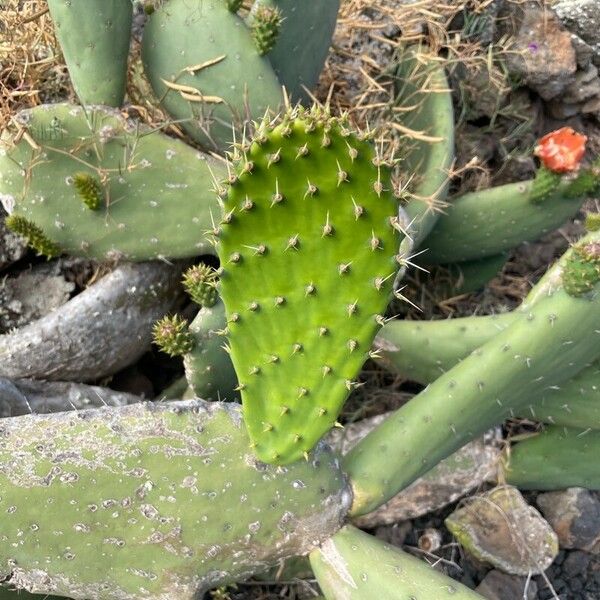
{"x":542,"y":54}
{"x":501,"y":529}
{"x":582,"y":17}
{"x":574,"y":514}
{"x":497,"y":585}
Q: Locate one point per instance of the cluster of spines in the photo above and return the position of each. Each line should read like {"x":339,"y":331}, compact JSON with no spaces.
{"x":265,"y":26}
{"x":34,"y":235}
{"x":582,"y":271}
{"x":172,"y":335}
{"x":200,"y":282}
{"x":89,"y":189}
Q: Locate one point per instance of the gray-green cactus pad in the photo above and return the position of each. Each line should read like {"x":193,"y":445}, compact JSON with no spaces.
{"x":156,"y":501}
{"x":143,"y":175}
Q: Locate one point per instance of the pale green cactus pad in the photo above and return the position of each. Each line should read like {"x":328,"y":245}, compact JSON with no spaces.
{"x":155,"y":501}
{"x":94,"y":36}
{"x":354,"y":565}
{"x":204,"y":67}
{"x":309,"y":253}
{"x":555,"y":459}
{"x":139,"y":174}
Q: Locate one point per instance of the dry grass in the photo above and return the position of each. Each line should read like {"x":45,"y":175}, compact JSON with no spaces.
{"x":31,"y":68}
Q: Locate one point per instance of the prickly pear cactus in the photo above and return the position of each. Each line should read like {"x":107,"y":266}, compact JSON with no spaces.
{"x":309,"y":254}
{"x":61,"y":160}
{"x":94,"y":36}
{"x":152,"y":501}
{"x":303,"y":42}
{"x":203,"y":65}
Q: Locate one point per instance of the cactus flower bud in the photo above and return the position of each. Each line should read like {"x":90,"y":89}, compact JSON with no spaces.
{"x":561,"y":151}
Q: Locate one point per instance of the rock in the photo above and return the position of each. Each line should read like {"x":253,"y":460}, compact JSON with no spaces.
{"x":592,"y":107}
{"x":542,"y":54}
{"x":582,"y":17}
{"x":574,"y":514}
{"x":500,"y":528}
{"x":499,"y":586}
{"x":584,"y":87}
{"x":576,"y":563}
{"x":12,"y":247}
{"x":30,"y":296}
{"x":451,"y":479}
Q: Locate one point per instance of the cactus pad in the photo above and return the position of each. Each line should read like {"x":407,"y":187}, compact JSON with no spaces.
{"x":59,"y":155}
{"x":94,"y":36}
{"x":309,"y":254}
{"x":152,"y":502}
{"x":203,"y":65}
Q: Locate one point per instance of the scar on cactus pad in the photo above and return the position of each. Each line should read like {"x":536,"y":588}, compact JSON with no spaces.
{"x":309,"y":252}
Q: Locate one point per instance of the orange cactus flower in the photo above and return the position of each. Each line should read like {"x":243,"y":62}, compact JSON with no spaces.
{"x":561,"y":151}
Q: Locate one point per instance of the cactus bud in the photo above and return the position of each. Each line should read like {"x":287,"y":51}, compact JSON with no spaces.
{"x":266,"y":23}
{"x":172,"y":336}
{"x":592,"y":222}
{"x":545,"y":183}
{"x":200,"y":283}
{"x":89,"y":190}
{"x":582,"y":270}
{"x":34,"y":235}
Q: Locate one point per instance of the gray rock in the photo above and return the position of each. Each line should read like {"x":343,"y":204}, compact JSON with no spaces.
{"x":12,"y":247}
{"x":499,"y":586}
{"x":575,"y":516}
{"x":30,"y":296}
{"x":583,"y":18}
{"x":501,"y":529}
{"x":542,"y":53}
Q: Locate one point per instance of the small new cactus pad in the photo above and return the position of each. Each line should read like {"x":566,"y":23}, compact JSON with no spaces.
{"x":171,"y":334}
{"x":582,"y":271}
{"x":353,"y":565}
{"x":265,"y":26}
{"x":557,"y":458}
{"x":89,"y":188}
{"x":544,"y":184}
{"x":202,"y":63}
{"x":94,"y":36}
{"x":61,"y":160}
{"x":34,"y":235}
{"x":153,"y":501}
{"x":309,"y":254}
{"x":200,"y":282}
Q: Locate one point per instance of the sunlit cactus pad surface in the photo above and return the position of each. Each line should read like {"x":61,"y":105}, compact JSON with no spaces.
{"x":309,"y":250}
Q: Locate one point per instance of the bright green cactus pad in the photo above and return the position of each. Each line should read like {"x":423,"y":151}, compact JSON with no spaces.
{"x":152,"y":501}
{"x":142,"y":176}
{"x":205,"y":69}
{"x":308,"y":250}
